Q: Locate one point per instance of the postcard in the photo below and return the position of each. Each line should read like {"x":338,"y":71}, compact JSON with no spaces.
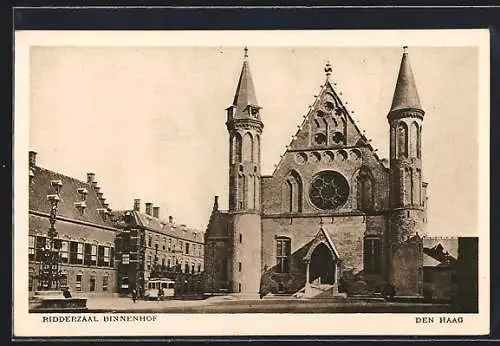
{"x":214,"y":183}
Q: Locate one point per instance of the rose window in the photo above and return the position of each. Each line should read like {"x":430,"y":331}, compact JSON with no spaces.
{"x":329,"y":190}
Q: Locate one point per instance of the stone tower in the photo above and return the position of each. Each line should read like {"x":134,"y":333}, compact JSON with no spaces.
{"x":244,"y":227}
{"x":407,"y":200}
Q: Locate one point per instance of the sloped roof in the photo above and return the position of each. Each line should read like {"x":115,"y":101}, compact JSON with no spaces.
{"x":71,"y":231}
{"x":217,"y":225}
{"x":41,"y":186}
{"x":161,"y":226}
{"x":429,"y":261}
{"x":449,"y":244}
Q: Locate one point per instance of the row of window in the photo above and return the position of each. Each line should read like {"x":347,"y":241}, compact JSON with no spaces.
{"x":183,"y":246}
{"x":72,"y":252}
{"x":167,"y":262}
{"x":92,"y":283}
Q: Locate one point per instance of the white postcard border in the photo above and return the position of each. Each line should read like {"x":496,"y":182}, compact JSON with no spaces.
{"x":26,"y":324}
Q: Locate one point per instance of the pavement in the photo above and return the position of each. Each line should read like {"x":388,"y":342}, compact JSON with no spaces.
{"x":231,"y":304}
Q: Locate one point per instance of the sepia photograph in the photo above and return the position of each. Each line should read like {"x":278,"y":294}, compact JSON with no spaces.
{"x":252,"y":176}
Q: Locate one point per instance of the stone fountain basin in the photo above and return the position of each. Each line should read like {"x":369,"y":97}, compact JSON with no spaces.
{"x":54,"y":301}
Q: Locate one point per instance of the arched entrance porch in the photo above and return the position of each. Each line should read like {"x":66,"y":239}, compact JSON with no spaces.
{"x":322,"y":264}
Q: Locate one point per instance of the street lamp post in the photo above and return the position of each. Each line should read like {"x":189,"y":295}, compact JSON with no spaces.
{"x":49,"y":270}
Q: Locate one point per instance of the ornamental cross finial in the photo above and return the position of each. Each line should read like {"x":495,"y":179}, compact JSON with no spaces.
{"x":405,"y":49}
{"x":328,"y":69}
{"x":321,"y":222}
{"x":246,"y":52}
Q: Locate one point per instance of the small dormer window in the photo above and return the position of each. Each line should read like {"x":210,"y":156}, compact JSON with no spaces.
{"x":57,"y":185}
{"x":103,"y":212}
{"x":81,"y":206}
{"x":83,"y":193}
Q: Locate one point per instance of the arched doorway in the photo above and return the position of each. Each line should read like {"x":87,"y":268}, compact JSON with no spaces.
{"x":322,"y":266}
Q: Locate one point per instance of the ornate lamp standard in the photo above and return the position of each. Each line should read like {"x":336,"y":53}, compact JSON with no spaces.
{"x":49,"y":270}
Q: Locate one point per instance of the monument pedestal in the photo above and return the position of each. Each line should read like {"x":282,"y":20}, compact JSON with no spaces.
{"x":54,"y":301}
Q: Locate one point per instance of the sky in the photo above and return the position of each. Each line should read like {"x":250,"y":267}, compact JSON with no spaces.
{"x":150,"y":121}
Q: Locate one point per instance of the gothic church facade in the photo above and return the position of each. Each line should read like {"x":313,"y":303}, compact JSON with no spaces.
{"x":332,"y":213}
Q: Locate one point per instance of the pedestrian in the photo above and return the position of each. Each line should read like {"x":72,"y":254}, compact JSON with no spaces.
{"x":66,"y":293}
{"x":134,"y":295}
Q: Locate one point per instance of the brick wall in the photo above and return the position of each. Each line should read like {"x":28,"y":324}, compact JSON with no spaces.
{"x":346,"y":233}
{"x":406,"y":273}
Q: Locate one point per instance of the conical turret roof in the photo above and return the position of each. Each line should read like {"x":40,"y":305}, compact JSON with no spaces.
{"x":245,"y":92}
{"x":405,"y":94}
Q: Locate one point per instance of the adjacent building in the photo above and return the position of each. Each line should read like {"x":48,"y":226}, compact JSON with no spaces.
{"x":101,"y":251}
{"x":149,"y":246}
{"x":86,"y":234}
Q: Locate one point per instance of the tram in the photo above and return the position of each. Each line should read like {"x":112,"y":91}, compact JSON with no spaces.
{"x":159,"y":289}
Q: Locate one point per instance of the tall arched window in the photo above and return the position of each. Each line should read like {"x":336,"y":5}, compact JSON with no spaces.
{"x":364,"y":187}
{"x":419,"y":186}
{"x":256,"y":150}
{"x":408,"y":183}
{"x":394,"y":152}
{"x":247,"y":147}
{"x":292,"y":193}
{"x":414,"y":134}
{"x":250,"y":193}
{"x":289,"y":188}
{"x":237,"y":147}
{"x":241,"y":191}
{"x":402,"y":140}
{"x":419,"y":143}
{"x":256,"y":192}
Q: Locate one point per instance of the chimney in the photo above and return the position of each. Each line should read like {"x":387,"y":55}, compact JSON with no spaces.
{"x":216,"y":203}
{"x":156,"y":212}
{"x":32,"y":160}
{"x":148,"y":208}
{"x":90,"y":178}
{"x":137,"y":204}
{"x":170,"y":219}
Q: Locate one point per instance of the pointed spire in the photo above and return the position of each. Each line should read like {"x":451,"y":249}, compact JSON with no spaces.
{"x":405,"y":94}
{"x":245,"y":92}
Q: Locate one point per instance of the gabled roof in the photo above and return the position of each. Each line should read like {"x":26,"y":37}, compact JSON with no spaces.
{"x":323,"y":236}
{"x":356,"y":138}
{"x":40,"y":187}
{"x":405,"y":93}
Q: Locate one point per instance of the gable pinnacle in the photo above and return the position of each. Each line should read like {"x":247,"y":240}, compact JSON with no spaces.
{"x":246,"y":52}
{"x":328,"y":69}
